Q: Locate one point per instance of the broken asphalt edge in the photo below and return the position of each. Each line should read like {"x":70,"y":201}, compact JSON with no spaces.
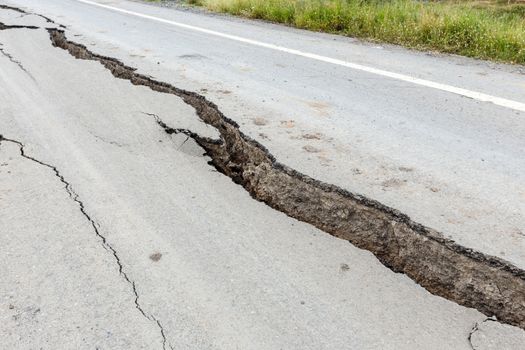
{"x":470,"y":278}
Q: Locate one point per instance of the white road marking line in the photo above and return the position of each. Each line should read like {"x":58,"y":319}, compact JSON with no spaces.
{"x":479,"y":96}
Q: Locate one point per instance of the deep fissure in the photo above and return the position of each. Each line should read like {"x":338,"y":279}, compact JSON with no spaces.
{"x":105,"y":244}
{"x":470,"y":278}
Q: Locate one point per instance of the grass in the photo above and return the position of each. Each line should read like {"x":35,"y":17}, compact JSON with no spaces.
{"x":488,"y":30}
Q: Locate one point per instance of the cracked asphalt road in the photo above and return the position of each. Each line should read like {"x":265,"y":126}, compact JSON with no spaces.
{"x":450,"y":162}
{"x":120,"y":236}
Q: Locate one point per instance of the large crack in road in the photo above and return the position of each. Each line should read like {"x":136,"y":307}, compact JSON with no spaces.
{"x":470,"y":278}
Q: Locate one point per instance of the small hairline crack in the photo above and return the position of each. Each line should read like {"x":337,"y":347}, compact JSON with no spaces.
{"x":105,"y":244}
{"x":476,"y":328}
{"x":25,"y":13}
{"x":12,"y":59}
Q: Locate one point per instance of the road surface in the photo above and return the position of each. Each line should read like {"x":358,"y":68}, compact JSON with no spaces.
{"x":119,"y":235}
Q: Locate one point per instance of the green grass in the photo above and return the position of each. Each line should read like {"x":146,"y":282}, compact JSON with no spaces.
{"x":488,"y":30}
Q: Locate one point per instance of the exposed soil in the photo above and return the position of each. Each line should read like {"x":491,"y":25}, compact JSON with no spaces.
{"x":470,"y":278}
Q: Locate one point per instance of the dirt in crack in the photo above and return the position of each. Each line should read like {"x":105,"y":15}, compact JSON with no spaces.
{"x":74,"y":196}
{"x":488,"y":284}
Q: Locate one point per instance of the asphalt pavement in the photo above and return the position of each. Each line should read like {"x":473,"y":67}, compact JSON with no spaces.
{"x":119,"y":235}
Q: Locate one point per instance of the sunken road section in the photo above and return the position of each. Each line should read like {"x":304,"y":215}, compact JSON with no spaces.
{"x":470,"y":278}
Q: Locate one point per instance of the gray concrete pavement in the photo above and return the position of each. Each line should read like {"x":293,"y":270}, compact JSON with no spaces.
{"x":215,"y":268}
{"x":59,"y":287}
{"x":232,"y":272}
{"x":452,"y":163}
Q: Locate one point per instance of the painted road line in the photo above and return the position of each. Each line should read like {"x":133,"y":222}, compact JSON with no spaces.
{"x":479,"y":96}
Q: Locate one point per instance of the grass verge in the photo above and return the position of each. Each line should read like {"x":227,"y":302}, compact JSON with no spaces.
{"x":488,"y":30}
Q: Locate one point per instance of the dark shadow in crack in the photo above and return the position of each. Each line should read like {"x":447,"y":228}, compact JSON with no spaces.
{"x":470,"y":278}
{"x":4,"y":26}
